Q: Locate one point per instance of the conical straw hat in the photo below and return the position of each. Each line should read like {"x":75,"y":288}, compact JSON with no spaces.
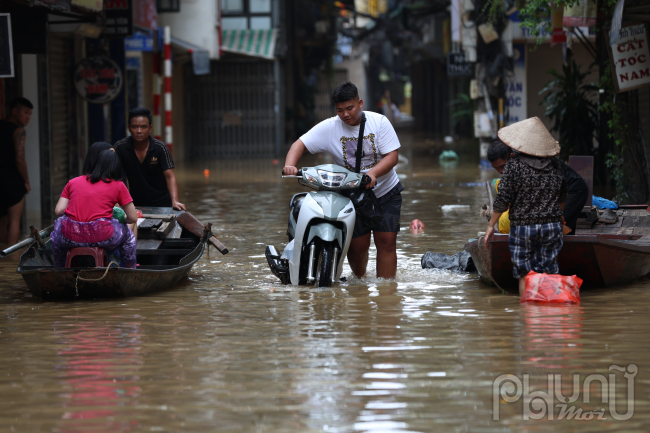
{"x":531,"y":137}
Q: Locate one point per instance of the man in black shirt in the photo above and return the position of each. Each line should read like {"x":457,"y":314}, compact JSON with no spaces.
{"x":148,"y":164}
{"x":499,"y":153}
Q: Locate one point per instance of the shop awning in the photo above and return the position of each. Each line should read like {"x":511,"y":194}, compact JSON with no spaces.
{"x":258,"y":43}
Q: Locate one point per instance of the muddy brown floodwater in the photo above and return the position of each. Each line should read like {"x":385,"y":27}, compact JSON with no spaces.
{"x":231,"y":349}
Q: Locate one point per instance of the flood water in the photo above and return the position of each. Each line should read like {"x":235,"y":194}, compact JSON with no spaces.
{"x":231,"y":349}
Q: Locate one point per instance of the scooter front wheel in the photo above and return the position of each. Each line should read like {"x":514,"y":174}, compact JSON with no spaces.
{"x":326,"y":264}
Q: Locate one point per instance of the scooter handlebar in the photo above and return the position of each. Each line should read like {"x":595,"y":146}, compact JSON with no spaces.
{"x":365,"y":180}
{"x":288,"y":175}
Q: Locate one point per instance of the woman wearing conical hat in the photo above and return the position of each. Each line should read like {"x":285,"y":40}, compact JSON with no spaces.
{"x":577,"y":190}
{"x":533,"y":187}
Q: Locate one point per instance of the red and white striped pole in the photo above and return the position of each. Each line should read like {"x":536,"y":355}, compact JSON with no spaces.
{"x":168,"y":88}
{"x":156,"y":96}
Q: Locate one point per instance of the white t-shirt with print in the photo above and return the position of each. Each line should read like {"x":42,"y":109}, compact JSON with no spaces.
{"x":340,"y":140}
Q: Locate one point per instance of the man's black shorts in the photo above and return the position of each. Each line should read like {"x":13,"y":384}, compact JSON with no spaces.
{"x":11,"y":195}
{"x":391,"y":205}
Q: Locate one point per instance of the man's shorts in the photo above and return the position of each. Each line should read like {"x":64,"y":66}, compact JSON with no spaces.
{"x":391,"y":205}
{"x":535,"y":248}
{"x":10,"y":197}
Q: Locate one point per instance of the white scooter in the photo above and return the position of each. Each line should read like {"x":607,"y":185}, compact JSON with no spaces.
{"x":321,"y":224}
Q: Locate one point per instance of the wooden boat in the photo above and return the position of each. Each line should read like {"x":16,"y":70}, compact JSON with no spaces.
{"x":163,"y":263}
{"x":603,"y":255}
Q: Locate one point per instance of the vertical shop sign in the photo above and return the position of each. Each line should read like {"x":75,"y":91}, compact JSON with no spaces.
{"x":516,"y":86}
{"x":145,"y":14}
{"x":119,"y":18}
{"x":6,"y":47}
{"x":631,"y":58}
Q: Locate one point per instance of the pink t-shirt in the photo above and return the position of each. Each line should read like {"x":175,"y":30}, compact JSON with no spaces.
{"x":89,"y":201}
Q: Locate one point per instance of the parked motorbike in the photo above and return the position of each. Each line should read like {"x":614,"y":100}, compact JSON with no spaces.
{"x":320,"y":229}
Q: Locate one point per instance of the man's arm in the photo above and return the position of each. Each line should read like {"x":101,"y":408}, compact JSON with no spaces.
{"x":170,"y":177}
{"x":19,"y":144}
{"x":298,"y":148}
{"x":386,"y":164}
{"x":489,"y":232}
{"x":506,"y":191}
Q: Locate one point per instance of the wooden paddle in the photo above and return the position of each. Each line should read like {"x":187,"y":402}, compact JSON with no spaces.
{"x":36,"y":236}
{"x":195,"y":226}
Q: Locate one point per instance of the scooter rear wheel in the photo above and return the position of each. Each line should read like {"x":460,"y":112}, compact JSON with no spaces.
{"x":325,"y":265}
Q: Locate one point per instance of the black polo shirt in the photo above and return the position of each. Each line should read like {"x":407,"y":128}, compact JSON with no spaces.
{"x":147,"y":183}
{"x":575,"y":183}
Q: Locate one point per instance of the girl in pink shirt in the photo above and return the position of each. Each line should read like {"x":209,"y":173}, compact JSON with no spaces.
{"x":86,"y":214}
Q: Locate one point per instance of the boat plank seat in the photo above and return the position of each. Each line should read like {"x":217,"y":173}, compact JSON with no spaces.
{"x":147,"y":244}
{"x":98,"y":254}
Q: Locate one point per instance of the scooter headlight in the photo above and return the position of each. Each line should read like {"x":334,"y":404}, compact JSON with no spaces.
{"x":333,"y":180}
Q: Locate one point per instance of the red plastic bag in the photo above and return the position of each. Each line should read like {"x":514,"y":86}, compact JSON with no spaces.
{"x":551,"y":288}
{"x":139,"y":213}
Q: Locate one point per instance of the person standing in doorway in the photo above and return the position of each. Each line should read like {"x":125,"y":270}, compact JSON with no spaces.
{"x":338,"y":136}
{"x":148,"y":164}
{"x":14,"y":180}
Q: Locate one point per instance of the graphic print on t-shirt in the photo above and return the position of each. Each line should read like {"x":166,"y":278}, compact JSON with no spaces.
{"x":368,"y":155}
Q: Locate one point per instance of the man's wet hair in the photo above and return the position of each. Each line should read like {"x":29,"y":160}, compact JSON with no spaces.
{"x":21,"y":102}
{"x":345,"y":92}
{"x":498,"y":150}
{"x":140,"y":112}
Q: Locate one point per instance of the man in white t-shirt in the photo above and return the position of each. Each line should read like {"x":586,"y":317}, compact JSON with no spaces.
{"x":338,"y":136}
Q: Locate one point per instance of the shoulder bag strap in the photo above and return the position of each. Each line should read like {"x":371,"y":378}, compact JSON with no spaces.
{"x":359,"y":152}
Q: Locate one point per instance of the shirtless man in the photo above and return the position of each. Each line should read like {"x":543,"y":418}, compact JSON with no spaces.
{"x":14,"y":180}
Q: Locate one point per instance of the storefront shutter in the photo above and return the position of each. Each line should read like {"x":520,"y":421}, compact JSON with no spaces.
{"x":644,"y":116}
{"x":230,"y":112}
{"x":60,"y":95}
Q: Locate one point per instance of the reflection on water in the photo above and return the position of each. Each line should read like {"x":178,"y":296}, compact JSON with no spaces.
{"x":555,"y":330}
{"x":91,"y":357}
{"x":231,"y":349}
